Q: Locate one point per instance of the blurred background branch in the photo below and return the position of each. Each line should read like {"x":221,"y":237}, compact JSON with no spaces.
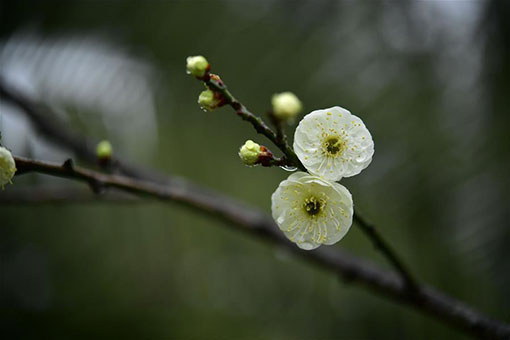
{"x":351,"y":269}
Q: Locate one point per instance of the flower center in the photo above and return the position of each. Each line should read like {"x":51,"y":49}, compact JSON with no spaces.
{"x":334,"y":146}
{"x":313,"y":206}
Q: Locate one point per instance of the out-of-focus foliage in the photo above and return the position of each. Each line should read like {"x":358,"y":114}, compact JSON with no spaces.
{"x":429,"y":79}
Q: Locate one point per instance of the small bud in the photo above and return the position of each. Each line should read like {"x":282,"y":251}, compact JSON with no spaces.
{"x":7,"y":167}
{"x":216,"y":78}
{"x":210,"y":100}
{"x":104,"y":150}
{"x":197,"y":66}
{"x":250,"y":152}
{"x":286,"y":105}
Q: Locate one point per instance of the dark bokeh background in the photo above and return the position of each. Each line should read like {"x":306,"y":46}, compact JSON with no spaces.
{"x":430,"y":80}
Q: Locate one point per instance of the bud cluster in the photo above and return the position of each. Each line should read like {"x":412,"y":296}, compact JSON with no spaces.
{"x":199,"y":67}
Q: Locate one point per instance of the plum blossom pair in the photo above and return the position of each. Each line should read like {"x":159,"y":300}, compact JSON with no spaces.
{"x":312,"y":208}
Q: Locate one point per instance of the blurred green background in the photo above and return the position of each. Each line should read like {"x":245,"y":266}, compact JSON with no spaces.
{"x":430,"y":80}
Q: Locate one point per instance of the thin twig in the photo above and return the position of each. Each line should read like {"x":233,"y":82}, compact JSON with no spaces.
{"x":350,"y":268}
{"x":281,"y":137}
{"x":213,"y":82}
{"x":384,"y":247}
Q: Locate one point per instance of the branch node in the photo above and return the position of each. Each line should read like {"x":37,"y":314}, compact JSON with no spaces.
{"x":68,"y":165}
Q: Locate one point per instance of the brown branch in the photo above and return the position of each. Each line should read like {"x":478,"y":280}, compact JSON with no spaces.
{"x":423,"y":298}
{"x":352,"y":269}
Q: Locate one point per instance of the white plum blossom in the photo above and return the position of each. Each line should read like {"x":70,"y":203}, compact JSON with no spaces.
{"x":312,"y":211}
{"x":7,"y":167}
{"x":333,"y":143}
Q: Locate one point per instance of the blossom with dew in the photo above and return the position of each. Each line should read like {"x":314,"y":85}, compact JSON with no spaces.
{"x":197,"y":66}
{"x":104,"y":150}
{"x":312,"y":211}
{"x":209,"y":100}
{"x":250,"y":152}
{"x":7,"y":166}
{"x":333,"y":143}
{"x":286,"y":105}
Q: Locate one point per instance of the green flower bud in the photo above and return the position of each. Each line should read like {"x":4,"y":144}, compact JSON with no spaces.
{"x":250,"y":152}
{"x":209,"y":100}
{"x":286,"y":105}
{"x":197,"y":66}
{"x":104,"y":150}
{"x":7,"y":167}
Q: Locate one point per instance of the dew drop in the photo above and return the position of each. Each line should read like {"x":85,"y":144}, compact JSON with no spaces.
{"x":288,"y":168}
